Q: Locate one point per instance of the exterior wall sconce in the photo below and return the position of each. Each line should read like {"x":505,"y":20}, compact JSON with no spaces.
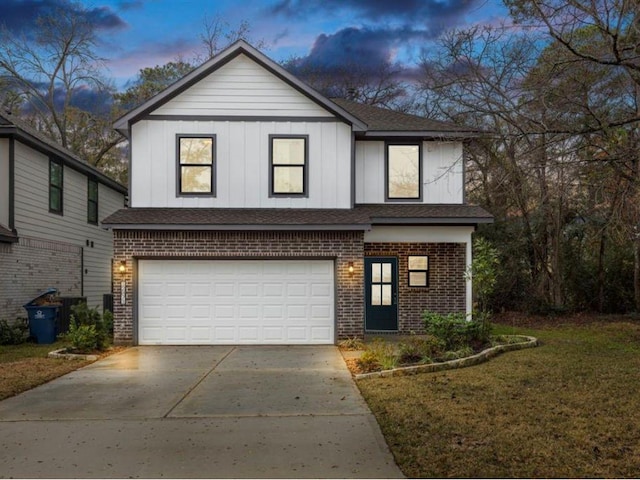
{"x":350,"y":268}
{"x":122,"y":268}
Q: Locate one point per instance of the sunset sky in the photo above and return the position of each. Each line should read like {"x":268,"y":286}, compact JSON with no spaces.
{"x":142,"y":33}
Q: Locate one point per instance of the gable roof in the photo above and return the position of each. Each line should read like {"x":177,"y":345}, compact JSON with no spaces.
{"x":239,"y":47}
{"x":385,"y":122}
{"x":12,"y":126}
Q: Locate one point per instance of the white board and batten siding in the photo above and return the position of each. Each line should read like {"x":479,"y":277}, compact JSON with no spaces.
{"x":203,"y":302}
{"x":33,"y":219}
{"x":229,"y":103}
{"x":242,"y":87}
{"x":242,"y":164}
{"x":4,"y":182}
{"x":442,"y":172}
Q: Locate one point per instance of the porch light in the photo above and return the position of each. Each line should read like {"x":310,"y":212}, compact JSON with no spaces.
{"x":123,"y":266}
{"x":350,"y":268}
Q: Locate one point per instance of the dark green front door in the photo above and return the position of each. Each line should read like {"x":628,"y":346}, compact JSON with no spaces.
{"x":381,"y":293}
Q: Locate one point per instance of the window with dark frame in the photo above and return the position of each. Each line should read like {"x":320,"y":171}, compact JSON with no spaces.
{"x":418,"y":267}
{"x":404,"y":172}
{"x":289,"y":165}
{"x":55,"y":186}
{"x":92,"y":201}
{"x":196,"y":164}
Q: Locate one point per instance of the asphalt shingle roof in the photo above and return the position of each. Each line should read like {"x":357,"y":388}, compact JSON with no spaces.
{"x":7,"y":235}
{"x":385,"y":120}
{"x":362,"y":216}
{"x":10,"y":121}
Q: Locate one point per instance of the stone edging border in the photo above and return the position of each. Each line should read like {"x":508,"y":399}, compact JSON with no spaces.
{"x":71,"y":356}
{"x":480,"y":357}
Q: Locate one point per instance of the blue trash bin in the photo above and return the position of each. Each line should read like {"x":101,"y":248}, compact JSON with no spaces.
{"x":42,"y":318}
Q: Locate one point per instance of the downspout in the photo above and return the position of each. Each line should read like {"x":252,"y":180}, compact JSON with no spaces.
{"x":12,"y":188}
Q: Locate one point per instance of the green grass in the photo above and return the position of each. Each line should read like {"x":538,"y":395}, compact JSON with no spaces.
{"x":12,"y":353}
{"x":569,"y":408}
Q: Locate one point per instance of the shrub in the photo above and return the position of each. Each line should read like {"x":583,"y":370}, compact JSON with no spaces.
{"x":88,"y":330}
{"x":455,"y":331}
{"x":14,"y":333}
{"x":419,"y":349}
{"x":83,"y":338}
{"x":449,"y":328}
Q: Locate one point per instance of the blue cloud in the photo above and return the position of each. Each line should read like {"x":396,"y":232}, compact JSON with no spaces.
{"x":21,"y":15}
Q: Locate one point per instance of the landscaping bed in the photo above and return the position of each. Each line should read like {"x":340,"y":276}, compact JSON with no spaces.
{"x":566,"y":409}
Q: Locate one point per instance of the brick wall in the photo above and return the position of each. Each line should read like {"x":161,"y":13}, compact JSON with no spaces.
{"x":447,"y":287}
{"x":345,"y":247}
{"x":30,"y":266}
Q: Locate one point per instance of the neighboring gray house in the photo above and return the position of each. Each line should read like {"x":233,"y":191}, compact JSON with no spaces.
{"x":262,"y":212}
{"x":51,"y":205}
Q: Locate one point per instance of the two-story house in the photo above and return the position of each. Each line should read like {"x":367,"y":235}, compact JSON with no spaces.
{"x":262,"y":212}
{"x":51,"y":204}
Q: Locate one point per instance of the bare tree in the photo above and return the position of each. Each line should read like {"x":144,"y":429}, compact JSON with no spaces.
{"x":51,"y":70}
{"x":613,"y":29}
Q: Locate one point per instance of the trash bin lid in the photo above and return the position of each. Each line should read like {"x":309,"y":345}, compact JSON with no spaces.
{"x":46,"y":291}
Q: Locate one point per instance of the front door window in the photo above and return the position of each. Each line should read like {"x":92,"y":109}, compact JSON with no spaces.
{"x":381,"y":293}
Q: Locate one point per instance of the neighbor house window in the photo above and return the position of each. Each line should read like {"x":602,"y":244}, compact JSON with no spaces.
{"x":92,"y":202}
{"x":55,"y":186}
{"x":289,"y":165}
{"x":403,"y":172}
{"x":196,"y":164}
{"x":418,"y":270}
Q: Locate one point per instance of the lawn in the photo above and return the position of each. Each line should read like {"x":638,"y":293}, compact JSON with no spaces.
{"x":568,"y":408}
{"x":26,"y":366}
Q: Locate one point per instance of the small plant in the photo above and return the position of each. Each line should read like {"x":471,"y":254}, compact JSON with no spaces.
{"x":378,"y":355}
{"x":13,"y":333}
{"x":368,"y":362}
{"x":353,"y":343}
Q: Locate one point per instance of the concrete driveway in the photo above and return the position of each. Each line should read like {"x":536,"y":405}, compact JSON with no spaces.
{"x":234,"y":412}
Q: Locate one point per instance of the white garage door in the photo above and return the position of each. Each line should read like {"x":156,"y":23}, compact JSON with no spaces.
{"x":201,"y":302}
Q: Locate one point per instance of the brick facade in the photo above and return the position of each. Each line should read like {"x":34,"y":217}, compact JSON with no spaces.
{"x":446,"y":292}
{"x":344,"y":247}
{"x":31,"y":265}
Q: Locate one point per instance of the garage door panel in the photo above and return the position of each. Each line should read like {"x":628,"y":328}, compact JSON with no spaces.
{"x":224,"y":290}
{"x":248,"y":289}
{"x":321,"y":334}
{"x":235,"y":302}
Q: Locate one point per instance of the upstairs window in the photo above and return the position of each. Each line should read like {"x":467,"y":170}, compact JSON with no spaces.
{"x":92,"y":201}
{"x":289,"y":166}
{"x":196,"y":164}
{"x":55,"y":186}
{"x":404,"y":176}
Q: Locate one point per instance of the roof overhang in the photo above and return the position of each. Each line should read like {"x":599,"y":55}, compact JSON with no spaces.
{"x":123,"y":124}
{"x":32,"y":141}
{"x":432,"y":134}
{"x":236,"y":227}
